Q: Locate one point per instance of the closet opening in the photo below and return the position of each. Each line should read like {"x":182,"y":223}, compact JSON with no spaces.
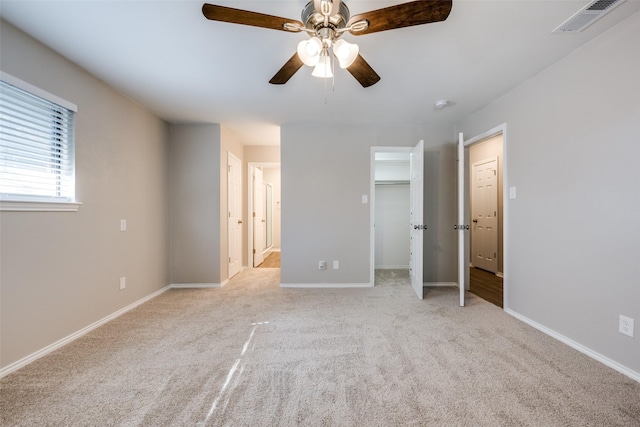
{"x":391,"y":211}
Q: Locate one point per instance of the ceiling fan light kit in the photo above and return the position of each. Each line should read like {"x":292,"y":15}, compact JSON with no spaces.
{"x":325,"y":21}
{"x":323,"y":69}
{"x":345,"y":52}
{"x":309,"y":51}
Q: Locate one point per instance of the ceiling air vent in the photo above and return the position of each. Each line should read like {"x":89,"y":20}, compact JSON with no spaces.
{"x":587,"y":16}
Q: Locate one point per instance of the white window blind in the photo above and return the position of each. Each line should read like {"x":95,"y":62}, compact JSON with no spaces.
{"x":36,"y":147}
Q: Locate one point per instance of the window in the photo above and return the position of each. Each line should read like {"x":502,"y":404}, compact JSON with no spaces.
{"x":37,"y":162}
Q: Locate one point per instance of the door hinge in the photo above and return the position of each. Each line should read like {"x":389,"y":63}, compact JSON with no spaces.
{"x":254,"y":214}
{"x":254,"y":251}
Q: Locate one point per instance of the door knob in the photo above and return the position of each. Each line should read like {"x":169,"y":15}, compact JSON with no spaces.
{"x":475,"y":220}
{"x":239,"y":221}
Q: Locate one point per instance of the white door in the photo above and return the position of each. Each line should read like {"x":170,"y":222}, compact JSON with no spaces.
{"x":234,"y":206}
{"x":416,"y":224}
{"x":484,"y":214}
{"x":460,"y":227}
{"x":259,"y":220}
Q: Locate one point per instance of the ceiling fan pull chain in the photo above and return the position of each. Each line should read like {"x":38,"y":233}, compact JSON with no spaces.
{"x":333,"y":71}
{"x":325,"y":91}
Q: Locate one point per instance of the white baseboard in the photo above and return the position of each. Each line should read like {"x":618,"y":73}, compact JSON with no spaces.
{"x":353,"y":285}
{"x":577,"y":346}
{"x":195,"y":285}
{"x":436,"y":284}
{"x":325,"y":285}
{"x":74,"y":336}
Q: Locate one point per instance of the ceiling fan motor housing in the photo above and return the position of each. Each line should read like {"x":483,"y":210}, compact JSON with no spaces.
{"x":314,"y":20}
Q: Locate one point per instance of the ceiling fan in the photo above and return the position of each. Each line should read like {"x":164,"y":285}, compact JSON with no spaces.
{"x":325,"y":21}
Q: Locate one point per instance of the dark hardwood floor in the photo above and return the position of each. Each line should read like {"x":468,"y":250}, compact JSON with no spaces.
{"x":486,"y":285}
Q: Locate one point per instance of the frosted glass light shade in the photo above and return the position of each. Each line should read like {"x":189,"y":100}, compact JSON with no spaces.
{"x":345,"y":52}
{"x":323,"y":69}
{"x":309,"y":51}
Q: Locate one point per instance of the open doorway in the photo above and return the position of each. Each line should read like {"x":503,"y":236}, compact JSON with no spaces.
{"x":391,"y":210}
{"x":397,"y":185}
{"x":263,"y":190}
{"x":485,"y":172}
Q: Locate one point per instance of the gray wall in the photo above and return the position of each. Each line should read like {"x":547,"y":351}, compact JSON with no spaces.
{"x":323,"y":180}
{"x":573,"y":148}
{"x":59,"y":272}
{"x":195,"y":204}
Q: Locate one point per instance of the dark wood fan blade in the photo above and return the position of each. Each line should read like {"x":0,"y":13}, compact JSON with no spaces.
{"x":363,"y":72}
{"x":287,"y":71}
{"x":245,"y":17}
{"x":403,"y":15}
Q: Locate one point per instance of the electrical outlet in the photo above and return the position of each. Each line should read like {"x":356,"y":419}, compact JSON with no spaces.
{"x":322,"y":265}
{"x":123,"y":283}
{"x":336,"y":264}
{"x":626,"y":325}
{"x":123,"y":225}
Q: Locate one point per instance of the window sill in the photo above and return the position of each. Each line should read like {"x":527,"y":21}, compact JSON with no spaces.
{"x":38,"y":206}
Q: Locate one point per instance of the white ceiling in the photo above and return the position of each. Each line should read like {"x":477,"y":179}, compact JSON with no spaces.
{"x":185,"y":68}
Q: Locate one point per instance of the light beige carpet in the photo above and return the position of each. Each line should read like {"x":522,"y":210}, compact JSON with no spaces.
{"x":253,"y":354}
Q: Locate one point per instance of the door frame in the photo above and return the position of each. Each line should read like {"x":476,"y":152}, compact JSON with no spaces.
{"x":372,"y":205}
{"x":498,"y":130}
{"x":238,"y":194}
{"x":250,"y":167}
